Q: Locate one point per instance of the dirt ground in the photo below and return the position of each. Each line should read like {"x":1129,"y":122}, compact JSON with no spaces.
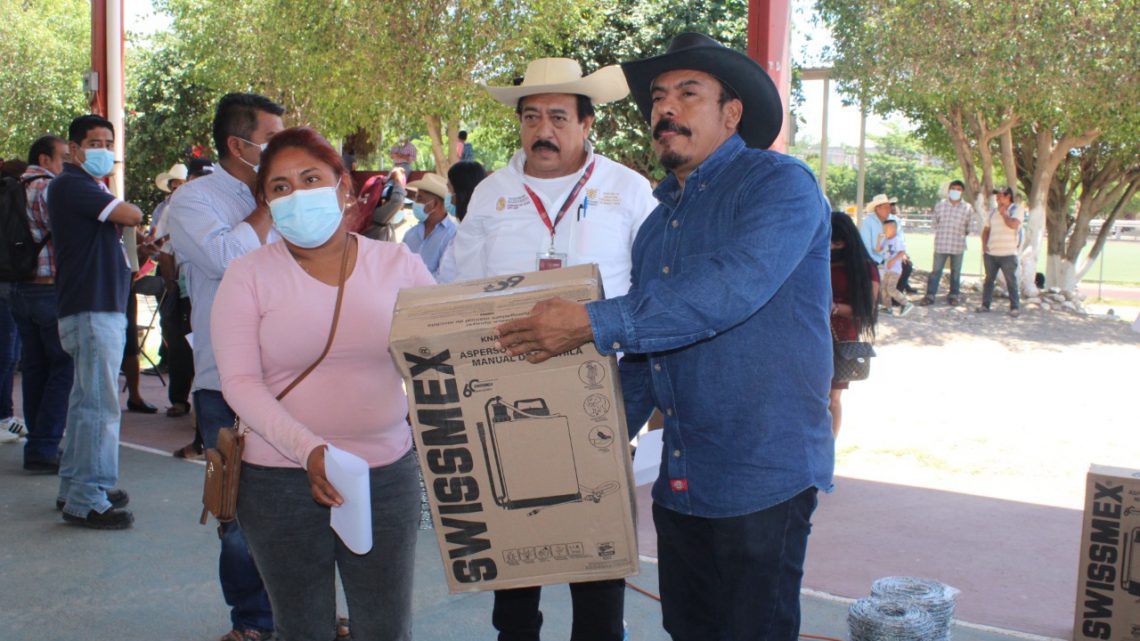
{"x":993,"y":406}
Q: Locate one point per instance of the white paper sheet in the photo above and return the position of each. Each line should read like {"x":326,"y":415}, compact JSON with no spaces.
{"x":647,"y":458}
{"x":351,"y":520}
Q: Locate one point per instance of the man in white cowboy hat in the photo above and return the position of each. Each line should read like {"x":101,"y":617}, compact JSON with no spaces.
{"x":556,"y":203}
{"x":436,"y":227}
{"x":725,"y":331}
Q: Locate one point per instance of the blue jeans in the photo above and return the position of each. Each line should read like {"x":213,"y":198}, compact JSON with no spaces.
{"x":47,"y":370}
{"x":936,"y":274}
{"x":291,"y":539}
{"x":734,"y":578}
{"x":9,"y":353}
{"x":90,"y":462}
{"x":1008,"y":266}
{"x":241,"y":583}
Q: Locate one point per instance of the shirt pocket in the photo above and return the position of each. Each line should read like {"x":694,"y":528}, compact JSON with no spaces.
{"x":602,"y":234}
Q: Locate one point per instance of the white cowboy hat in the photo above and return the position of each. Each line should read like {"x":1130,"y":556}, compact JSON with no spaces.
{"x":431,"y":183}
{"x":880,"y":199}
{"x":177,"y":171}
{"x":563,"y":75}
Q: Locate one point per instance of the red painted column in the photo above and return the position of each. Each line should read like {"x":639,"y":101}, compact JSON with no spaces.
{"x":98,"y":102}
{"x":769,"y":43}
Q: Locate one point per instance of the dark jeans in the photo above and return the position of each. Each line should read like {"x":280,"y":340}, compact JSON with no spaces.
{"x":9,"y":354}
{"x":47,"y":370}
{"x":290,"y":536}
{"x":734,"y":578}
{"x":904,"y":278}
{"x":597,"y":607}
{"x":241,"y":582}
{"x":1008,"y":267}
{"x":936,"y":274}
{"x":179,"y":356}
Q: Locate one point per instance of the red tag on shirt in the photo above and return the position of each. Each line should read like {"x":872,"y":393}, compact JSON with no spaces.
{"x":679,"y":485}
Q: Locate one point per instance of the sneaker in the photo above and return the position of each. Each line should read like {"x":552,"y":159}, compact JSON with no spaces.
{"x":952,"y":301}
{"x":112,"y":519}
{"x":981,"y":309}
{"x":118,"y":498}
{"x":926,"y":301}
{"x":1015,"y":312}
{"x":12,"y":429}
{"x":906,"y":309}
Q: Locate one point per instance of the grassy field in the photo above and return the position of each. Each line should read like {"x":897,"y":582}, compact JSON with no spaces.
{"x":1121,"y":259}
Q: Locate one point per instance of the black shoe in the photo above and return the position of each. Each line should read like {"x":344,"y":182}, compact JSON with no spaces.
{"x":112,"y":519}
{"x":141,"y":407}
{"x":42,"y":467}
{"x":118,"y":498}
{"x":952,"y":301}
{"x":926,"y":301}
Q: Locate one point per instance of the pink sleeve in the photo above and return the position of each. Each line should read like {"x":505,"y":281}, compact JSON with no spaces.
{"x":235,"y":325}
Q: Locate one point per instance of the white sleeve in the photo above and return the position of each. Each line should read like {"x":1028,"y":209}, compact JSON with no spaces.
{"x":467,"y":261}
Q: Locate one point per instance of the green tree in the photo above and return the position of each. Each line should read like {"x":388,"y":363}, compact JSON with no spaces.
{"x":170,"y":105}
{"x":1046,"y":76}
{"x":45,"y":46}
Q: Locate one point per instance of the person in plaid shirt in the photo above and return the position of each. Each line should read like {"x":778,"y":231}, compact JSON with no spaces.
{"x":47,"y":368}
{"x":953,"y":219}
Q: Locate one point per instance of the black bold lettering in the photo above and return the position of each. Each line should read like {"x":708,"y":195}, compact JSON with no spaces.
{"x":1115,"y":492}
{"x":429,"y":393}
{"x":474,"y":571}
{"x":449,"y":461}
{"x":1103,"y":554}
{"x":456,"y":490}
{"x":1107,"y":510}
{"x":437,"y":363}
{"x":1105,"y":531}
{"x":1101,"y":572}
{"x":464,"y":537}
{"x":447,"y":426}
{"x":1096,"y":630}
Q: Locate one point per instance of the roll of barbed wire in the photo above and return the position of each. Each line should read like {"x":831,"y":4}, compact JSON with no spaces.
{"x":897,"y":619}
{"x":936,"y":598}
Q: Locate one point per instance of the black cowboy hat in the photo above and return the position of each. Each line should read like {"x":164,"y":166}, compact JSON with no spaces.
{"x":763,"y":110}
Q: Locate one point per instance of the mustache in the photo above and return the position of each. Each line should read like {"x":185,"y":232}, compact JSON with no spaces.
{"x":544,"y":144}
{"x":667,"y":125}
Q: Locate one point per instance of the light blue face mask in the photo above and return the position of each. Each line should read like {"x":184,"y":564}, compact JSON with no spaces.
{"x":955,"y":194}
{"x":418,"y":212}
{"x":250,"y":142}
{"x":98,"y":162}
{"x":449,"y":206}
{"x":308,"y":218}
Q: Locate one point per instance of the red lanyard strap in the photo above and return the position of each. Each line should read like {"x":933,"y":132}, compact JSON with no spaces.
{"x":566,"y":205}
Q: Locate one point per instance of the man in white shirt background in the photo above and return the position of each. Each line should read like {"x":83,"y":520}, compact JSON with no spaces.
{"x":555,"y":204}
{"x":1000,"y":239}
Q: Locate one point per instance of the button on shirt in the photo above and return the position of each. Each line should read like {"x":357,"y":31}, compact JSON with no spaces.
{"x":732,"y":343}
{"x":952,"y":223}
{"x":431,"y":248}
{"x":204,"y":219}
{"x":503,"y":232}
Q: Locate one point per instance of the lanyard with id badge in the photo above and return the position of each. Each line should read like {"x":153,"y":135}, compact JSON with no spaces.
{"x":551,"y":259}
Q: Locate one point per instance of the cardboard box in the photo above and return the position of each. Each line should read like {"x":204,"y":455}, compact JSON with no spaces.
{"x":527,"y":466}
{"x":1108,"y":578}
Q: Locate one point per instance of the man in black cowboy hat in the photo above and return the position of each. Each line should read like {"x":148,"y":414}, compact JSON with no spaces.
{"x":725,"y":330}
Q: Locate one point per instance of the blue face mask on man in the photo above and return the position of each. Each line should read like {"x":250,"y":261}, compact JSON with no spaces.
{"x":98,"y":162}
{"x":955,"y":194}
{"x":449,"y":206}
{"x":308,"y":218}
{"x":418,"y":212}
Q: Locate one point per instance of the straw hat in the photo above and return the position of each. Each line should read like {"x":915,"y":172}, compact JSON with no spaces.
{"x":563,"y":75}
{"x":880,"y":199}
{"x":431,"y":183}
{"x":177,"y":171}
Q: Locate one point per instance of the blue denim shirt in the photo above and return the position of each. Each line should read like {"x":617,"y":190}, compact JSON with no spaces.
{"x":725,"y":329}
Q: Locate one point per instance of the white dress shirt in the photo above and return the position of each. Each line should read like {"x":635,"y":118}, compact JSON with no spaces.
{"x":504,"y":234}
{"x":204,"y":219}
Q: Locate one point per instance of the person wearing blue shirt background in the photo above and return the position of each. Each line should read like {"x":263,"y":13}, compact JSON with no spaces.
{"x":436,"y":227}
{"x":725,"y":331}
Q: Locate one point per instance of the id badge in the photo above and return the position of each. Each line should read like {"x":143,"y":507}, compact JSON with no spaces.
{"x":550,"y":260}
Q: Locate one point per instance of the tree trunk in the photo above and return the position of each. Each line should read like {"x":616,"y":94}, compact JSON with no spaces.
{"x":957,"y":132}
{"x":1008,"y":163}
{"x":435,"y":133}
{"x":1049,"y":155}
{"x":1106,"y":228}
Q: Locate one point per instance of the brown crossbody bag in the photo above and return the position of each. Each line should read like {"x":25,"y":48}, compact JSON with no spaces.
{"x":223,"y":462}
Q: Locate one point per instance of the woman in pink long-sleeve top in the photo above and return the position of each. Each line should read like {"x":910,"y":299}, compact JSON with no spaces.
{"x":271,"y":320}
